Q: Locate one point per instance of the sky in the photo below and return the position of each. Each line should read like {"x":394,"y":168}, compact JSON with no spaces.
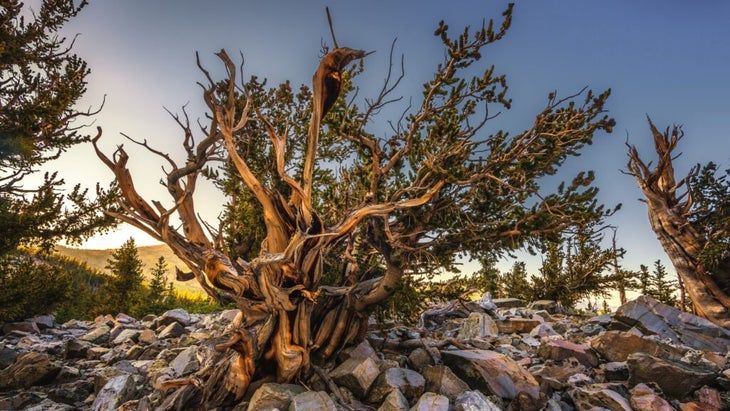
{"x":665,"y":59}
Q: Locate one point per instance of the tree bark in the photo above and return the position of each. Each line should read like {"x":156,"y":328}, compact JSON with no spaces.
{"x":668,"y":217}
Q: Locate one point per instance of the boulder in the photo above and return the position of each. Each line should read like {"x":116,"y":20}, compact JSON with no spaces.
{"x":115,"y":392}
{"x":395,"y":401}
{"x":618,"y":345}
{"x":474,"y":401}
{"x":177,"y":315}
{"x":98,"y":335}
{"x":668,"y":323}
{"x":508,"y":302}
{"x":477,"y":325}
{"x":598,"y":397}
{"x":271,"y":396}
{"x":410,"y":383}
{"x":172,"y":330}
{"x":517,"y":325}
{"x":430,"y":401}
{"x":644,"y":398}
{"x":676,"y":379}
{"x":29,"y":369}
{"x":559,"y":350}
{"x":356,"y":374}
{"x":185,"y":362}
{"x":312,"y":401}
{"x":491,"y":371}
{"x":29,"y":327}
{"x":548,"y":305}
{"x":441,"y":380}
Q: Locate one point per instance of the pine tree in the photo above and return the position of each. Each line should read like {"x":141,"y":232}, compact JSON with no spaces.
{"x":662,"y":289}
{"x":158,"y":282}
{"x":515,"y":283}
{"x":645,"y":287}
{"x":125,"y":285}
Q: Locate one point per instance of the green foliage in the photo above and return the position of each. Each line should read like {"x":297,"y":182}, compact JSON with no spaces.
{"x":30,"y":286}
{"x":42,"y":81}
{"x":662,"y":289}
{"x":710,"y":215}
{"x":515,"y":283}
{"x":124,"y":288}
{"x":574,"y":268}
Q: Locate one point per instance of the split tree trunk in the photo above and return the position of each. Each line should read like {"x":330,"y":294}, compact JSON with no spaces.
{"x":668,"y":217}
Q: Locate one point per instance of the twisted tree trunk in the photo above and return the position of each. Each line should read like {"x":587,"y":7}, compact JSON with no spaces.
{"x":668,"y":217}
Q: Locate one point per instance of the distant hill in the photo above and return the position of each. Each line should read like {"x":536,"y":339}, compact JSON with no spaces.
{"x":97,"y":259}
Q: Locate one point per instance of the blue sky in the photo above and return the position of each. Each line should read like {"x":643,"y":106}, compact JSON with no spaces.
{"x":665,"y":59}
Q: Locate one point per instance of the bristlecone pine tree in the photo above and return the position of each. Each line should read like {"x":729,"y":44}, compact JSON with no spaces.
{"x":692,"y":225}
{"x":346,"y":214}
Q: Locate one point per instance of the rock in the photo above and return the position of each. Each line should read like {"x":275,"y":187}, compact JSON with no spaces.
{"x":557,"y":376}
{"x":559,"y":350}
{"x":23,"y":327}
{"x":395,"y":401}
{"x":517,"y":325}
{"x":644,"y":398}
{"x":420,"y":359}
{"x":477,"y":325}
{"x":548,"y":305}
{"x":356,"y":374}
{"x":115,"y":392}
{"x":543,"y":330}
{"x":675,"y":378}
{"x":495,"y":372}
{"x":49,"y":405}
{"x":178,"y":315}
{"x":474,"y":401}
{"x":312,"y":401}
{"x":98,"y":335}
{"x":271,"y":396}
{"x":668,"y":323}
{"x":431,"y":402}
{"x":508,"y":302}
{"x":7,"y":355}
{"x":147,"y":337}
{"x":362,"y":350}
{"x":618,"y":345}
{"x":598,"y":397}
{"x":441,"y":380}
{"x":615,"y":371}
{"x":172,"y":330}
{"x":126,"y":335}
{"x":29,"y":369}
{"x":410,"y":383}
{"x":185,"y":362}
{"x":708,"y":399}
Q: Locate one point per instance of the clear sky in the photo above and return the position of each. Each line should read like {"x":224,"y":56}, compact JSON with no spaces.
{"x":663,"y":58}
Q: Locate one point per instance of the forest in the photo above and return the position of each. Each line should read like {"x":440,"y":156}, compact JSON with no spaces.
{"x":328,"y":223}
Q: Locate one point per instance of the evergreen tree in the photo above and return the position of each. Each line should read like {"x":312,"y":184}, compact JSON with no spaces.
{"x":662,"y":289}
{"x":125,"y":285}
{"x":515,"y":283}
{"x":644,"y":277}
{"x":158,"y":282}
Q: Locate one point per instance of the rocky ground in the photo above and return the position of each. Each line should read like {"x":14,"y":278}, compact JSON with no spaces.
{"x":487,"y":355}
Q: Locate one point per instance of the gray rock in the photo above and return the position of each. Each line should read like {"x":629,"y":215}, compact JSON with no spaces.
{"x":50,"y":405}
{"x":272,"y":396}
{"x":126,"y":335}
{"x":430,"y":401}
{"x":29,"y":369}
{"x":177,"y":315}
{"x":147,"y":337}
{"x":44,"y":322}
{"x":517,"y":325}
{"x":185,"y":362}
{"x":98,"y":335}
{"x":356,"y":374}
{"x":115,"y":392}
{"x":477,"y":325}
{"x":7,"y":355}
{"x":395,"y":401}
{"x":543,"y":330}
{"x":676,"y":379}
{"x":492,"y":371}
{"x":588,"y":398}
{"x":557,"y":376}
{"x":668,"y":323}
{"x":312,"y":401}
{"x":362,"y":350}
{"x":420,"y":359}
{"x":615,"y":371}
{"x":548,"y":305}
{"x":410,"y":383}
{"x":441,"y":380}
{"x":474,"y":401}
{"x":172,"y":330}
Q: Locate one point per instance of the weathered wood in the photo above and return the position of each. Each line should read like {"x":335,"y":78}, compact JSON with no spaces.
{"x":668,"y":218}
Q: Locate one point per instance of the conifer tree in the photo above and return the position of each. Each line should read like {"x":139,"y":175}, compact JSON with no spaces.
{"x":125,"y":284}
